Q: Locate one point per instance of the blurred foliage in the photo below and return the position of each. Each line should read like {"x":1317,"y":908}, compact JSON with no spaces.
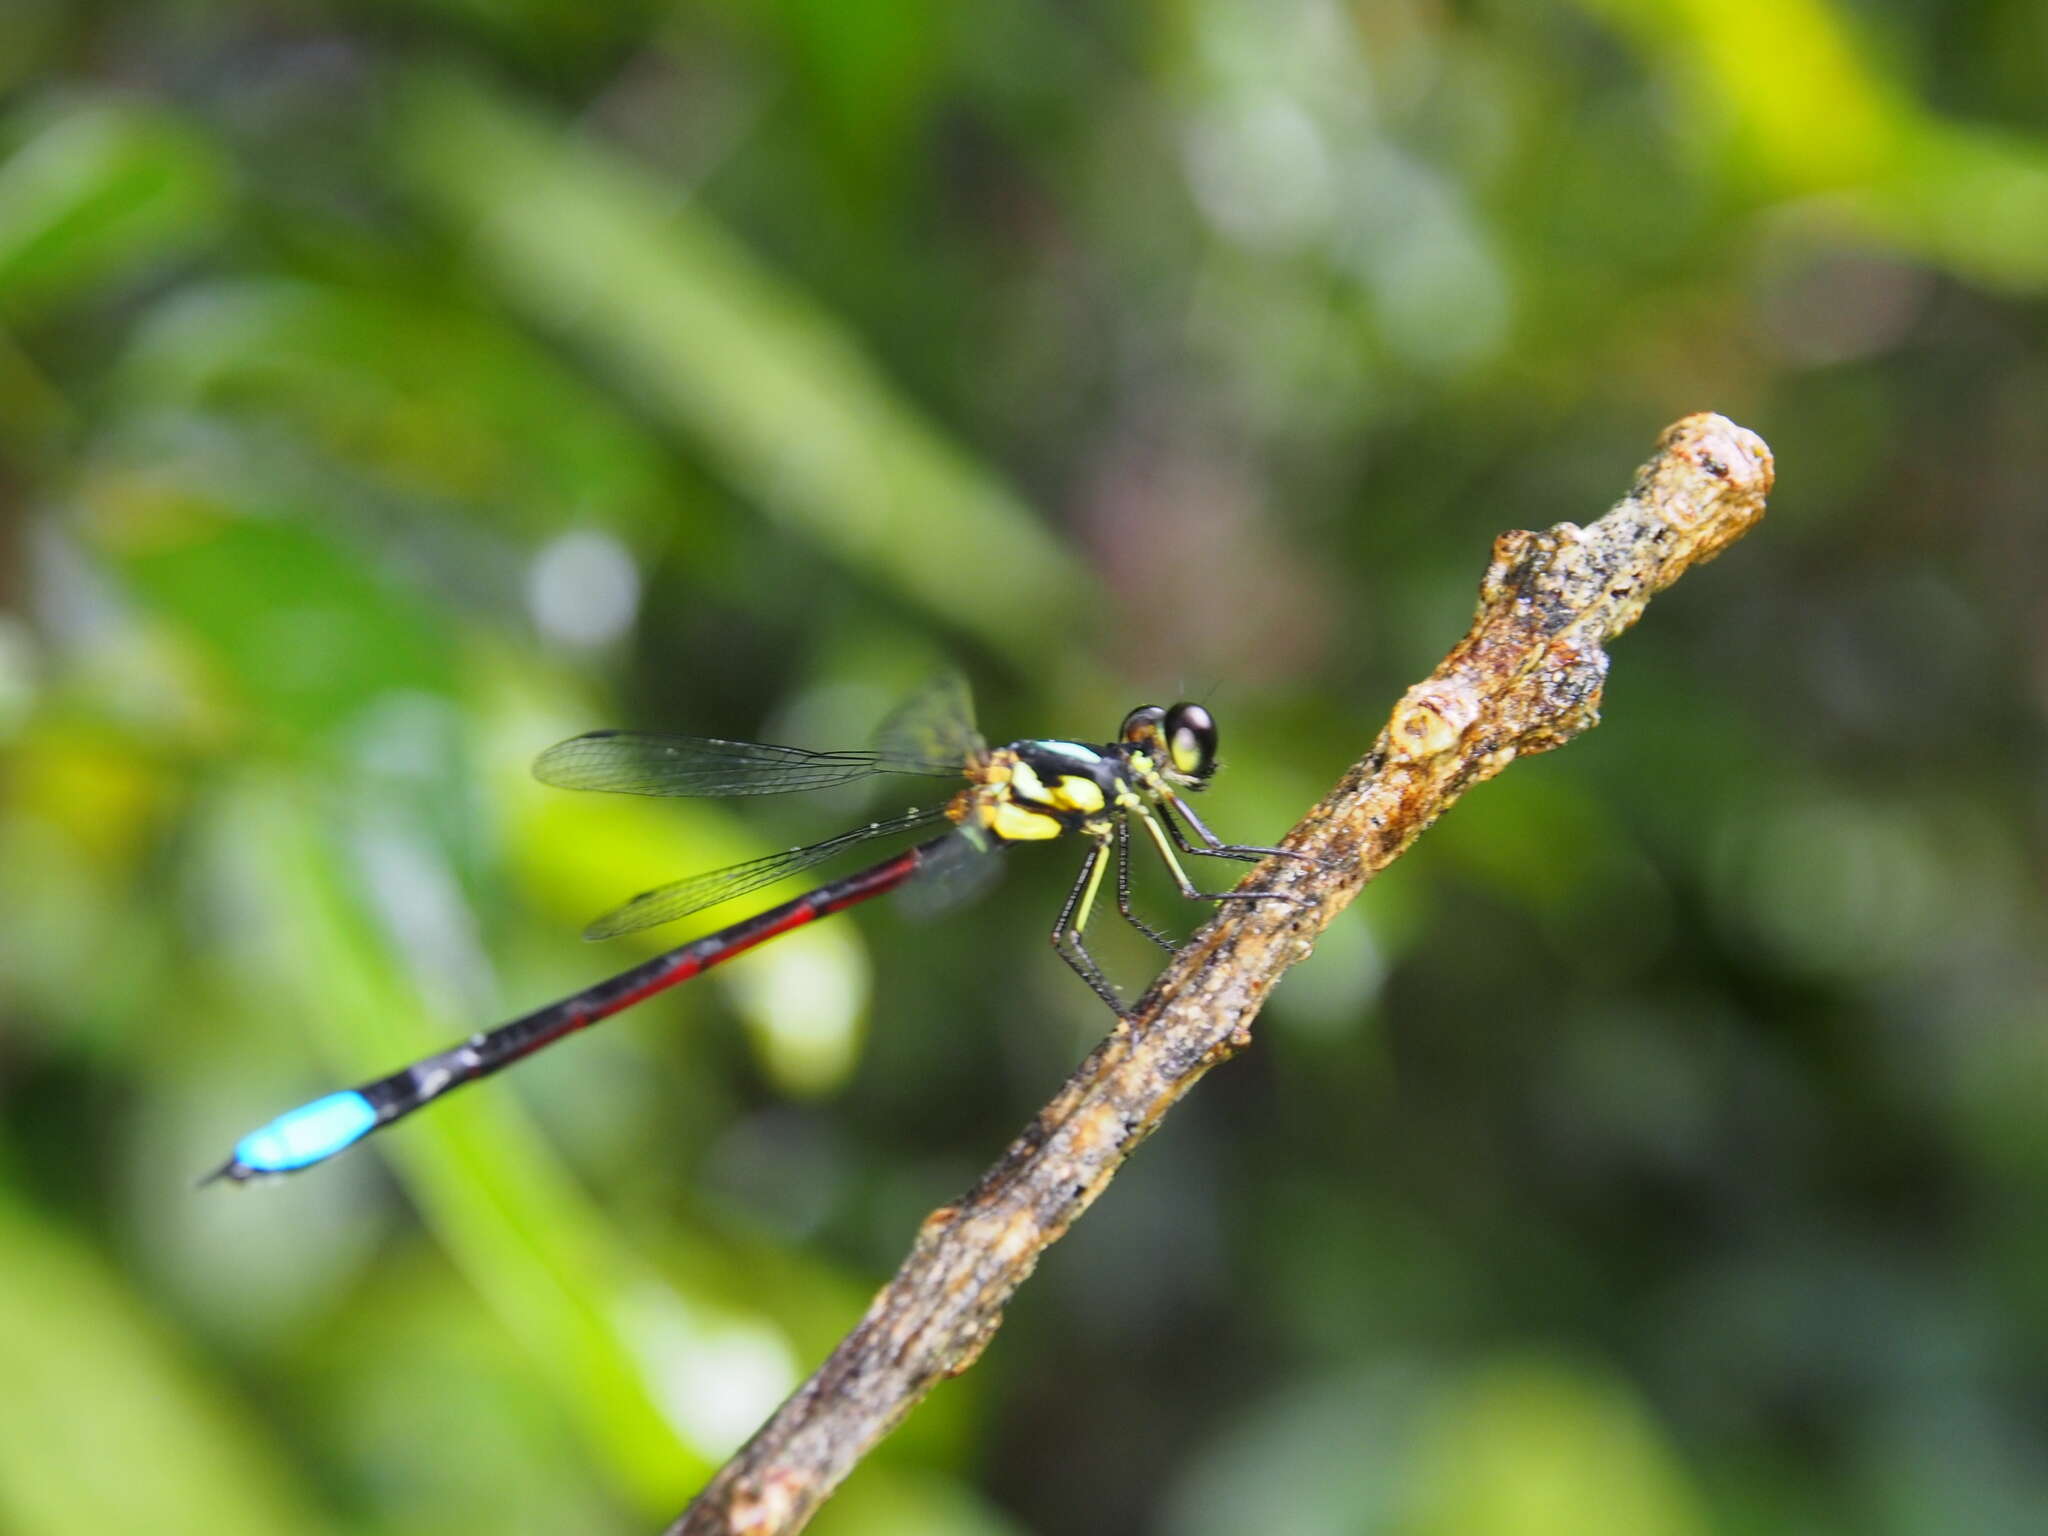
{"x":387,"y":390}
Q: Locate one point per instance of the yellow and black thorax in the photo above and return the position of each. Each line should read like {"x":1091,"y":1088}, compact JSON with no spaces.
{"x":1036,"y":790}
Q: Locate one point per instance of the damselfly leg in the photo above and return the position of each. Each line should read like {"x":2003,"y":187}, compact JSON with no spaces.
{"x":1067,"y":942}
{"x":1123,"y":889}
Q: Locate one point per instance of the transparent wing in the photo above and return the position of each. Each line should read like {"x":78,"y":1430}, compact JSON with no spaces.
{"x":934,"y":725}
{"x":955,"y":873}
{"x":666,"y":903}
{"x":634,"y":763}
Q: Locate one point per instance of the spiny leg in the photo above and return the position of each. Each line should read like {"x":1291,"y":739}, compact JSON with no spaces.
{"x":1214,"y":846}
{"x":1123,"y":890}
{"x":1066,"y":933}
{"x":1188,"y":888}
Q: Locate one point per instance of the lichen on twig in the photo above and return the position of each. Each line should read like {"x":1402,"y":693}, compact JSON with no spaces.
{"x":1527,"y":677}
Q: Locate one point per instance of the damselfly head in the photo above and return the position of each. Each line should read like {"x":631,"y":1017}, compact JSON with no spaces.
{"x":1181,"y":740}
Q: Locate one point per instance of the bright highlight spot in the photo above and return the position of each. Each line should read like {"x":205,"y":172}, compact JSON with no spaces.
{"x":584,"y":589}
{"x":715,"y":1378}
{"x":1261,"y":171}
{"x":802,"y":1000}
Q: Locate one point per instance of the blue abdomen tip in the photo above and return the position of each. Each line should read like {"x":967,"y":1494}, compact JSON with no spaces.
{"x":307,"y":1134}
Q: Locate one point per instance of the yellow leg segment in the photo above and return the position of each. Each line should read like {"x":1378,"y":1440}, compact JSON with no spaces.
{"x":1097,"y":862}
{"x":1180,"y":876}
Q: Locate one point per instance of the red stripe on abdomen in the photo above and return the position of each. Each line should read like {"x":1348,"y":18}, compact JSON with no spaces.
{"x":717,"y":948}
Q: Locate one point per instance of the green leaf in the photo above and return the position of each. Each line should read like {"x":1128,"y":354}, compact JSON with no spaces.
{"x":103,"y":1427}
{"x":781,"y":398}
{"x":436,"y":400}
{"x":98,"y":191}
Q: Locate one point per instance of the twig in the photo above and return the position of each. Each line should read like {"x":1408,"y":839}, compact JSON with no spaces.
{"x":1526,"y":678}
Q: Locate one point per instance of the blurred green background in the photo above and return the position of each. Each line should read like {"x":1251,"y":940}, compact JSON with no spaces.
{"x":390,"y":389}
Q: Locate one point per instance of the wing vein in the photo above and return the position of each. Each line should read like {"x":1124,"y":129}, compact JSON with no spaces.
{"x":664,"y":904}
{"x":638,"y":763}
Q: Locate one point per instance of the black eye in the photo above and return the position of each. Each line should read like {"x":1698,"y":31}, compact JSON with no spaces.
{"x":1141,"y":722}
{"x":1190,"y":740}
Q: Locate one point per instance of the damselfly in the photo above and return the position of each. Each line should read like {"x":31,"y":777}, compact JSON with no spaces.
{"x":1028,"y":791}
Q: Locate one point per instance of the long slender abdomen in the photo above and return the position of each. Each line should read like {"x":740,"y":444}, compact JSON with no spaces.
{"x":314,"y":1132}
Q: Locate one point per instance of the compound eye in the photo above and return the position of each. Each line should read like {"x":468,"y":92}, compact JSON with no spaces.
{"x":1142,"y":723}
{"x":1190,"y":740}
